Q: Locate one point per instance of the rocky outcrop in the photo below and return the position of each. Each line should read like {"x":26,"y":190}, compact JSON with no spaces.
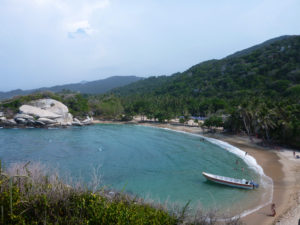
{"x":43,"y":113}
{"x":37,"y":112}
{"x":87,"y":121}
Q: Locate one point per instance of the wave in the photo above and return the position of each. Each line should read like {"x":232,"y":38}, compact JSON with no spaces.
{"x":265,"y":181}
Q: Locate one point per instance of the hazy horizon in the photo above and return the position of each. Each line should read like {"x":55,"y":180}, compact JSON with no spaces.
{"x":45,"y":43}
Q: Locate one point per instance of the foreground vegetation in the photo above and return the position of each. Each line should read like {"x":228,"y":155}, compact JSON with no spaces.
{"x":30,"y":195}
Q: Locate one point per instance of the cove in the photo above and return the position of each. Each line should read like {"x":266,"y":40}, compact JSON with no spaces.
{"x":148,"y":162}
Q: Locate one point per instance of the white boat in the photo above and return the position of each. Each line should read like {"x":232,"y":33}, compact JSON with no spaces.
{"x":239,"y":183}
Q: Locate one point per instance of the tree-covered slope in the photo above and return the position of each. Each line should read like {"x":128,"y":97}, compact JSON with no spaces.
{"x":257,"y":90}
{"x":271,"y":69}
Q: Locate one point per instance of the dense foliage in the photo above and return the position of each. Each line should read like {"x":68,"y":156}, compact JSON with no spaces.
{"x":264,"y":80}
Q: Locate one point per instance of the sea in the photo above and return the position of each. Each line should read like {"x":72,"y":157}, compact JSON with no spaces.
{"x":160,"y":165}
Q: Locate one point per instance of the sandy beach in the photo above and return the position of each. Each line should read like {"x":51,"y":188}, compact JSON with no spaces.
{"x":279,"y":164}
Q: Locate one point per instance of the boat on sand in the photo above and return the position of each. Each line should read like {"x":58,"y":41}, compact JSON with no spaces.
{"x":238,"y":183}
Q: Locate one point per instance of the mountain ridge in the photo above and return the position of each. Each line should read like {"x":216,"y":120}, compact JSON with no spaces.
{"x":84,"y":87}
{"x":266,"y":63}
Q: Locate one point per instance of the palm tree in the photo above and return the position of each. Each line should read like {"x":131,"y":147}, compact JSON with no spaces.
{"x":265,"y":119}
{"x":246,"y":114}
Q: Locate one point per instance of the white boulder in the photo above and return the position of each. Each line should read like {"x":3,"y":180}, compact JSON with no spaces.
{"x":48,"y":111}
{"x":46,"y":121}
{"x":87,"y":121}
{"x":23,"y":116}
{"x":76,"y":120}
{"x":37,"y":112}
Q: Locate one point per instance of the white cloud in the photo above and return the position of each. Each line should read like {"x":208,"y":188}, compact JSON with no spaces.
{"x":75,"y":14}
{"x":80,"y":29}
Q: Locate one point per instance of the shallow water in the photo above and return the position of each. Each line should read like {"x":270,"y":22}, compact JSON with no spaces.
{"x":155,"y":163}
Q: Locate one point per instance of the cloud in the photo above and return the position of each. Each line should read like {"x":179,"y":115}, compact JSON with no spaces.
{"x":75,"y":14}
{"x":80,"y":29}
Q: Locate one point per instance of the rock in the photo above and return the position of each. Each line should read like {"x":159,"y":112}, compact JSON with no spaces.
{"x":21,"y":120}
{"x":55,"y":107}
{"x":10,"y":122}
{"x":23,"y":116}
{"x":77,"y":123}
{"x":39,"y":123}
{"x":76,"y":120}
{"x":37,"y":112}
{"x":87,"y":121}
{"x":51,"y":105}
{"x":2,"y":118}
{"x":46,"y":121}
{"x":47,"y":111}
{"x":31,"y":122}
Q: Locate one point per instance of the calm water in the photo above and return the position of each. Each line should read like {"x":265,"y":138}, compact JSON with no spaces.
{"x":159,"y":164}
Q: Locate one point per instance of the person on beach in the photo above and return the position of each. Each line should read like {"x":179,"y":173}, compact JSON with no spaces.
{"x":273,"y":211}
{"x":294,"y":154}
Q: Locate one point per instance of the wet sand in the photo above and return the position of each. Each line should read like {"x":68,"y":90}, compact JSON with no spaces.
{"x":279,"y":164}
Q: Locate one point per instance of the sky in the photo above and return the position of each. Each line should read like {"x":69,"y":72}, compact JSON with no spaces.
{"x":50,"y":42}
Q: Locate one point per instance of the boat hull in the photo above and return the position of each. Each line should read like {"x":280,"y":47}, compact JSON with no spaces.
{"x":214,"y":179}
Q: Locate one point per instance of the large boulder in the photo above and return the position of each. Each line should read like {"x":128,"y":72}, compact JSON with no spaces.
{"x":37,"y":112}
{"x":23,"y":116}
{"x":47,"y":111}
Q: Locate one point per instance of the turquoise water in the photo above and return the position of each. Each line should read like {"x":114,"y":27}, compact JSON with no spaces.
{"x":149,"y":162}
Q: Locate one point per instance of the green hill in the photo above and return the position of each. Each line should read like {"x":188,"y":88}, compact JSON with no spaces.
{"x":270,"y":69}
{"x":257,"y":90}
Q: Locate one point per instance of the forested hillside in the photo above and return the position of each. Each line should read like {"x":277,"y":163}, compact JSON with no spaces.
{"x":258,"y":89}
{"x":272,"y":70}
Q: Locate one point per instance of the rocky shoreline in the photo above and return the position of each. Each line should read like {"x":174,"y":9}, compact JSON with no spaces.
{"x":43,"y":113}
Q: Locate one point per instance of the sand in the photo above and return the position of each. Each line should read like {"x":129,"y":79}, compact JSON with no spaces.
{"x":279,"y":164}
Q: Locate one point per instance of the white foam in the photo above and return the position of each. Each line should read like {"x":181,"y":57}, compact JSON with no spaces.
{"x":265,"y":181}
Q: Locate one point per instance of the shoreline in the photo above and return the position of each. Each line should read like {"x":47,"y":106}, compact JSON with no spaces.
{"x":279,"y":165}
